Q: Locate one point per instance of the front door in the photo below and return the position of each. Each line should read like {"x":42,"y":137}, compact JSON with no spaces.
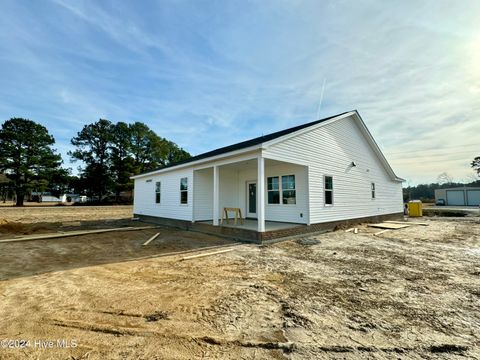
{"x":252,"y":199}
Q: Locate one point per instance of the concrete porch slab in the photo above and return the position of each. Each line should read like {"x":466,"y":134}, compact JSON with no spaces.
{"x":252,"y":224}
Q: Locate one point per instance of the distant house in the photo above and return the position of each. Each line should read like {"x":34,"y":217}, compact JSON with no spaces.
{"x":301,"y":179}
{"x":64,"y":198}
{"x":458,"y":196}
{"x":45,"y":197}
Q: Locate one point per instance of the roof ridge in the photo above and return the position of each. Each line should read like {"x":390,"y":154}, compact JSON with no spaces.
{"x":247,"y":143}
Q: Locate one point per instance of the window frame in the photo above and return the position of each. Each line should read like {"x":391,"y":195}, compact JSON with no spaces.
{"x":373,"y":190}
{"x":158,"y":192}
{"x":184,"y":191}
{"x":278,"y":190}
{"x":294,"y":189}
{"x":325,"y":190}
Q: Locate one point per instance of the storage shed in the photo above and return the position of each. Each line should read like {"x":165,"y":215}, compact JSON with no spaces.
{"x":458,"y":196}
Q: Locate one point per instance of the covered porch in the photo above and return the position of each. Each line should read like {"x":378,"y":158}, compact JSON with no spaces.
{"x":271,"y":195}
{"x":252,"y":224}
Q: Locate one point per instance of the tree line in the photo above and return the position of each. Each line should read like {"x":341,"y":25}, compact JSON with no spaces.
{"x":426,"y":192}
{"x":107,"y":153}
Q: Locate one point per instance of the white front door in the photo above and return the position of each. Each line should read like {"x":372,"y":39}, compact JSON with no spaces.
{"x":251,"y":199}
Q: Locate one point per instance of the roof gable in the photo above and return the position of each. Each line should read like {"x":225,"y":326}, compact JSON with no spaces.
{"x":279,"y":136}
{"x":244,"y":144}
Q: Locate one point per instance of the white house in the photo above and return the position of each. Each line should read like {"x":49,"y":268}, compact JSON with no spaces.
{"x":296,"y":180}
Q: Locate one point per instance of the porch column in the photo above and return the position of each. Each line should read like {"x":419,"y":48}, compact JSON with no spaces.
{"x":261,"y":194}
{"x":216,"y":197}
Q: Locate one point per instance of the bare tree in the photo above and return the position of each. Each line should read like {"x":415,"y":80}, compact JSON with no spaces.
{"x":444,"y":178}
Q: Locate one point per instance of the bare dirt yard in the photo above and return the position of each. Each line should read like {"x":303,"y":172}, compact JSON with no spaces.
{"x":410,"y":293}
{"x":54,"y":214}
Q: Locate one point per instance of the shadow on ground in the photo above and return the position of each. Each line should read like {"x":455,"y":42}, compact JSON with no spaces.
{"x":28,"y":258}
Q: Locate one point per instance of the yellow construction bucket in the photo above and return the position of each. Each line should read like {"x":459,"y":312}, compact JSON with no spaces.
{"x":415,"y":208}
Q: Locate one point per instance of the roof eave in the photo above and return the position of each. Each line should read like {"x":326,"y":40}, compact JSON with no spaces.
{"x":200,"y":161}
{"x":377,"y":149}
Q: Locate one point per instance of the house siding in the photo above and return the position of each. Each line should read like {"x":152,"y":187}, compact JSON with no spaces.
{"x":294,"y":213}
{"x":170,"y":206}
{"x":233,"y":185}
{"x":330,"y":150}
{"x":203,"y":194}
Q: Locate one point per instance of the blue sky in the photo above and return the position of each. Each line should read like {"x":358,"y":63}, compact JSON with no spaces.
{"x":209,"y":73}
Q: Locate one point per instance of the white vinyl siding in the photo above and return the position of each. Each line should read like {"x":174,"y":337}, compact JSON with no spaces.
{"x":294,"y":213}
{"x":203,"y":194}
{"x":144,"y":203}
{"x":338,"y":149}
{"x":330,"y":150}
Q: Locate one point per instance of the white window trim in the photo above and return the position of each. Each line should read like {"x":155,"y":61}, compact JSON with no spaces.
{"x":331,"y":190}
{"x":373,"y":191}
{"x":294,"y":189}
{"x":280,"y":190}
{"x":180,"y":193}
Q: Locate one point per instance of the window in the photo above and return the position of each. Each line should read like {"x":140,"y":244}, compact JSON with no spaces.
{"x":328,"y":190}
{"x":184,"y":190}
{"x":373,"y":190}
{"x":158,"y":193}
{"x":288,"y":189}
{"x":273,"y":190}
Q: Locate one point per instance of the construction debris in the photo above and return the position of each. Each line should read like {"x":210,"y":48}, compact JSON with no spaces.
{"x":406,"y":222}
{"x":151,"y":239}
{"x":385,"y":225}
{"x":381,"y":232}
{"x":205,"y":254}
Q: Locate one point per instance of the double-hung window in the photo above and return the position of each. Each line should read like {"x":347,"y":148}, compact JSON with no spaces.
{"x":289,"y":194}
{"x":184,"y":190}
{"x":158,"y":192}
{"x":283,"y":192}
{"x":273,"y":190}
{"x":328,"y":190}
{"x":373,"y":190}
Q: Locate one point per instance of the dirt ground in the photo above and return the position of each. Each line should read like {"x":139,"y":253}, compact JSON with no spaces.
{"x":54,"y":214}
{"x":410,"y":293}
